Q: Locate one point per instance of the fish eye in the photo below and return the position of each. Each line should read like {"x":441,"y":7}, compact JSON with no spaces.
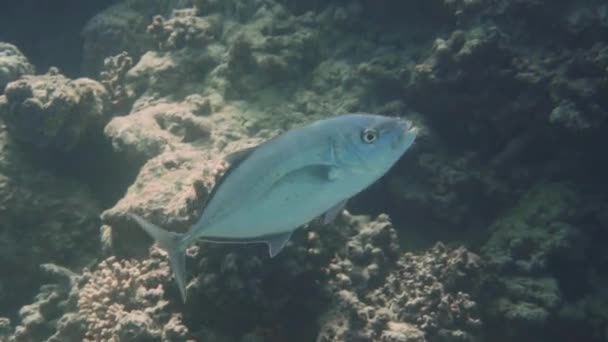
{"x":369,"y":135}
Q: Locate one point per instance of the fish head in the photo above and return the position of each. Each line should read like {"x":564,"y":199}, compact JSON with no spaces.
{"x":374,"y":142}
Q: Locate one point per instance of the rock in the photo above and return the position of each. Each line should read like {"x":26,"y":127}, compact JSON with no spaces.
{"x":53,"y":113}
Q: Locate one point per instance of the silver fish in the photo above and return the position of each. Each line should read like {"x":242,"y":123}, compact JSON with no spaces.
{"x":274,"y":188}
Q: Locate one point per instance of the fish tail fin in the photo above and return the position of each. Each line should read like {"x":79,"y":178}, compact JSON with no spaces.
{"x":173,"y":244}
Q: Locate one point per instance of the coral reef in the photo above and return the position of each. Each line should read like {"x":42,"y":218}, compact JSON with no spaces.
{"x":520,"y":248}
{"x":112,"y":77}
{"x":123,"y":300}
{"x":380,"y":294}
{"x":122,"y":27}
{"x":532,"y":255}
{"x":44,"y":219}
{"x":53,"y":113}
{"x":511,"y":95}
{"x":184,"y":29}
{"x":116,"y":301}
{"x":13,"y":64}
{"x":182,"y":159}
{"x":41,"y":320}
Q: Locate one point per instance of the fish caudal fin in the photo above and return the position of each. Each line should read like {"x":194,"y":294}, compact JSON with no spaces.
{"x":173,"y":244}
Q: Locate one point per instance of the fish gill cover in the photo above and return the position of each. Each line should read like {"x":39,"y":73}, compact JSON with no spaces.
{"x":492,"y":228}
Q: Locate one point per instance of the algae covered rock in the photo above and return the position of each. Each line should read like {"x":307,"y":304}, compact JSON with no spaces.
{"x":13,"y":64}
{"x":53,"y":113}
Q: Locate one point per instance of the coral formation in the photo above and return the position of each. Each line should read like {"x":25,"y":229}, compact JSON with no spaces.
{"x":44,"y":219}
{"x":380,"y":294}
{"x":529,"y":253}
{"x":184,"y":29}
{"x":182,"y":159}
{"x":13,"y":64}
{"x":122,"y":27}
{"x":117,"y":301}
{"x":51,"y":112}
{"x":112,"y":77}
{"x":123,"y":300}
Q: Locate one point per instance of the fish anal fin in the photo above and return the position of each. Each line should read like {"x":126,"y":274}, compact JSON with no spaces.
{"x":334,"y":211}
{"x":277,"y":242}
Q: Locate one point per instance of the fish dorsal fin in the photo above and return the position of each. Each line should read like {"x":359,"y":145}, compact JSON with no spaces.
{"x":237,"y":157}
{"x":234,"y":159}
{"x":334,"y":211}
{"x":277,"y":242}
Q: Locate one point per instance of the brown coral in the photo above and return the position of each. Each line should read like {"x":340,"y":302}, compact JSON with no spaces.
{"x":122,"y":300}
{"x":382,"y":297}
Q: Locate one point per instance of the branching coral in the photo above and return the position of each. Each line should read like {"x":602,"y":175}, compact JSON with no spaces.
{"x":122,"y":300}
{"x":44,"y":219}
{"x":113,"y":79}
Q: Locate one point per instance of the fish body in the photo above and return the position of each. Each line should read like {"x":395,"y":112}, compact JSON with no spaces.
{"x":286,"y":182}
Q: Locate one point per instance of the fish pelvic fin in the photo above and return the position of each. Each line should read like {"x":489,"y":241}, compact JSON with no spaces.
{"x":173,"y":244}
{"x":277,"y":242}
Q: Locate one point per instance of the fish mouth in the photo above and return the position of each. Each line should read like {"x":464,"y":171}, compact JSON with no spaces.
{"x":405,"y":134}
{"x":408,"y":127}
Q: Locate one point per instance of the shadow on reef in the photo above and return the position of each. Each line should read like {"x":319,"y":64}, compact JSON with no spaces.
{"x":277,"y":301}
{"x":94,"y":164}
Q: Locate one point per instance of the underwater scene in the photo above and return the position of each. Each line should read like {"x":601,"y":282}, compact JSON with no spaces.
{"x":304,"y":170}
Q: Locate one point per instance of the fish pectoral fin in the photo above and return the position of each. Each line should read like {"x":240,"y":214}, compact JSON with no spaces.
{"x":333,"y":173}
{"x":277,"y":242}
{"x":334,"y":211}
